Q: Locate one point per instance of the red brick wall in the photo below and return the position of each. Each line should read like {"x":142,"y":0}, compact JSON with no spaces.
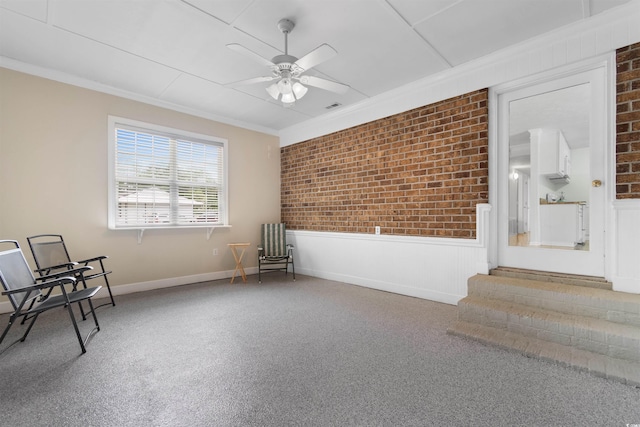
{"x":420,"y":172}
{"x":628,"y":123}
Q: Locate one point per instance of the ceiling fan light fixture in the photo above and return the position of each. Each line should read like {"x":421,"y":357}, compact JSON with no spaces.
{"x":288,"y":98}
{"x":291,"y":84}
{"x":284,"y":86}
{"x":290,"y":92}
{"x":299,"y":90}
{"x":273,"y":91}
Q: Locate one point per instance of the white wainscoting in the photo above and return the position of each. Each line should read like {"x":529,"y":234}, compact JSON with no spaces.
{"x":626,"y":245}
{"x":425,"y":267}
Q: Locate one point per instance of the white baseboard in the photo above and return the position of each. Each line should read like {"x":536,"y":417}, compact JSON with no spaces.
{"x":130,"y":288}
{"x":386,"y":286}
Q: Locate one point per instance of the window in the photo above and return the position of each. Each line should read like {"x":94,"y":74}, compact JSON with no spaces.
{"x":161,"y":177}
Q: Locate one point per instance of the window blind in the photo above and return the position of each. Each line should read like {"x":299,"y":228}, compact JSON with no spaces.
{"x":164,"y":179}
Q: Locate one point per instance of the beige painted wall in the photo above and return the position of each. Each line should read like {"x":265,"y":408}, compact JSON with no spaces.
{"x":53,"y":179}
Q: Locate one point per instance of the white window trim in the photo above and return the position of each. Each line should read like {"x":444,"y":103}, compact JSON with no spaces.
{"x":113,"y":121}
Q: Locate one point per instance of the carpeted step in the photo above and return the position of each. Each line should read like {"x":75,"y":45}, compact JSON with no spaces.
{"x":581,"y":326}
{"x":546,"y":276}
{"x":625,"y":371}
{"x":618,"y":307}
{"x":585,"y":333}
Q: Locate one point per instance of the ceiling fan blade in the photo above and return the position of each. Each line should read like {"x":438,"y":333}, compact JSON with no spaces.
{"x":252,"y":81}
{"x":251,"y":54}
{"x":324,"y":84}
{"x":316,"y":56}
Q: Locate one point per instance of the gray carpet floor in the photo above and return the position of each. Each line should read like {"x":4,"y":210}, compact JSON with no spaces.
{"x":281,"y":353}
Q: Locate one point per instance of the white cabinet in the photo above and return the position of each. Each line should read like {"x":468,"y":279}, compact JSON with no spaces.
{"x":554,"y":153}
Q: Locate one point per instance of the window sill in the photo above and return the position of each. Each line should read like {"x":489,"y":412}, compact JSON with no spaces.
{"x":141,"y":230}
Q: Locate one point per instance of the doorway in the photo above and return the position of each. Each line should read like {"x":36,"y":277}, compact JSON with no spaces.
{"x":551,"y":158}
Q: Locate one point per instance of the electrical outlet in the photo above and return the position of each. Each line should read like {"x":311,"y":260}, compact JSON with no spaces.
{"x":215,"y":251}
{"x":377,"y":229}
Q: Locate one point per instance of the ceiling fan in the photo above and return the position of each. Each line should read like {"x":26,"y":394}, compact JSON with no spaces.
{"x":288,"y":70}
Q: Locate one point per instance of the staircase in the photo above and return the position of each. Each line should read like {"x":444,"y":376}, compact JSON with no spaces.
{"x":577,"y":321}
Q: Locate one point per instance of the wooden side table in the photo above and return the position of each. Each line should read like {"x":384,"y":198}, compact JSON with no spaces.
{"x":238,"y":257}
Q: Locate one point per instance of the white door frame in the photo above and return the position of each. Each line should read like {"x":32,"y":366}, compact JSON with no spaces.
{"x":608,"y":63}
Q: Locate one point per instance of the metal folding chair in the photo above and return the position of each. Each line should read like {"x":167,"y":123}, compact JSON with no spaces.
{"x":30,"y":296}
{"x":51,"y":256}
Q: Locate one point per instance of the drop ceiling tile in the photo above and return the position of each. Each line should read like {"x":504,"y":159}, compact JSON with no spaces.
{"x":393,"y":54}
{"x":51,"y":48}
{"x":275,"y":117}
{"x":313,"y":20}
{"x":36,"y":9}
{"x":414,"y":11}
{"x":171,"y":33}
{"x":201,"y":94}
{"x":226,"y":11}
{"x":220,"y":64}
{"x":471,"y":29}
{"x":316,"y":101}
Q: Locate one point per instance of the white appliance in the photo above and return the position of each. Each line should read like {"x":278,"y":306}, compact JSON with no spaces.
{"x":562,"y":224}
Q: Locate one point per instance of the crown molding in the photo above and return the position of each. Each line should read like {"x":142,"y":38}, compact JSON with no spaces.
{"x":69,"y":79}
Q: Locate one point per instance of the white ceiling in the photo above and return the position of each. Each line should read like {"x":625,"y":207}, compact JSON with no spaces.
{"x":566,"y":109}
{"x":173,"y":52}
